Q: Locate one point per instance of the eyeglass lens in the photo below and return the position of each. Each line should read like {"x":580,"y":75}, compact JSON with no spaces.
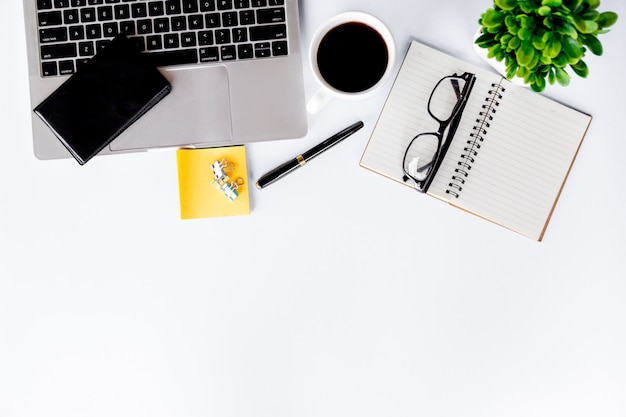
{"x":444,"y":98}
{"x":420,"y":155}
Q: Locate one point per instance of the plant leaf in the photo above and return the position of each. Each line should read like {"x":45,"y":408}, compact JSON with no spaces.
{"x":544,"y":11}
{"x":562,"y":77}
{"x":593,"y":4}
{"x":585,"y":26}
{"x":594,"y":44}
{"x":607,"y":19}
{"x":492,"y":18}
{"x":581,"y":69}
{"x":572,"y":49}
{"x":568,"y":30}
{"x":553,"y":48}
{"x":506,"y":4}
{"x":525,"y":54}
{"x":484,"y":40}
{"x":539,"y":85}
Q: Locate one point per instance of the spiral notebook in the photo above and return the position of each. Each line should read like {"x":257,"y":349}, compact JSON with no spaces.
{"x":510,"y":156}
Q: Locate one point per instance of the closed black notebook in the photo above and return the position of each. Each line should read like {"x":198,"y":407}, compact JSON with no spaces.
{"x":96,"y":104}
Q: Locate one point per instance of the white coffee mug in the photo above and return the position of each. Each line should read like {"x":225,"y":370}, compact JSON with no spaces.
{"x":351,"y":56}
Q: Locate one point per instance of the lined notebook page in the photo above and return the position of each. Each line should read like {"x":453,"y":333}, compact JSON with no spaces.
{"x":521,"y":164}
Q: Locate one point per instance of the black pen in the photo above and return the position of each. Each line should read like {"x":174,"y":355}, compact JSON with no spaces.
{"x":291,"y":165}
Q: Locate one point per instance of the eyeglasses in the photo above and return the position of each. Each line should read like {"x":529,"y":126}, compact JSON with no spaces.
{"x":425,"y":152}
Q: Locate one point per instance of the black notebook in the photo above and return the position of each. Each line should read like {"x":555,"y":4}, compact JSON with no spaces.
{"x":511,"y":153}
{"x":101,"y":100}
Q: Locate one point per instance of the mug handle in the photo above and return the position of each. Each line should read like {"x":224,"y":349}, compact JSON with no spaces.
{"x":318,"y":101}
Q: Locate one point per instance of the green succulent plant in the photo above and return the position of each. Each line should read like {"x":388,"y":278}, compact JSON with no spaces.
{"x":538,"y":39}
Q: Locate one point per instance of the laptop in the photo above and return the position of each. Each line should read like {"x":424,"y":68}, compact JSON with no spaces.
{"x":235,"y":67}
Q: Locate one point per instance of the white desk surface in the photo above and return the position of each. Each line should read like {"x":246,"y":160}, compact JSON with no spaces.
{"x":342,"y":294}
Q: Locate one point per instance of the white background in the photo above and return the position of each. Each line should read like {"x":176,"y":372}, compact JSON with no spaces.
{"x":342,"y":294}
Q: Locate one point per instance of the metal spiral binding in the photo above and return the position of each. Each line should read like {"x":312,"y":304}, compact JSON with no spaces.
{"x":473,"y":144}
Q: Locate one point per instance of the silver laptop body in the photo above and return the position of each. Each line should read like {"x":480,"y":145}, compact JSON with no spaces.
{"x":216,"y":101}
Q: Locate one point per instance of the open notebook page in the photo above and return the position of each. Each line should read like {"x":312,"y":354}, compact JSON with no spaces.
{"x":522,"y":163}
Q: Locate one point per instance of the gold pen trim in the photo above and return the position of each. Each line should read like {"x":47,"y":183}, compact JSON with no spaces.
{"x":301,"y":160}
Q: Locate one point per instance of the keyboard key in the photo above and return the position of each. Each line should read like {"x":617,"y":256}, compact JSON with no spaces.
{"x":183,"y":56}
{"x":156,"y":8}
{"x":49,"y":69}
{"x":127,"y":27}
{"x":276,"y":2}
{"x":44,"y":4}
{"x":110,"y":29}
{"x":122,"y":11}
{"x":179,"y":23}
{"x":58,"y":34}
{"x":105,"y":13}
{"x":77,"y":33}
{"x":161,"y":25}
{"x":70,"y":16}
{"x":93,"y":31}
{"x":172,"y":7}
{"x":240,"y":35}
{"x":61,"y":4}
{"x":86,"y":48}
{"x":207,"y":5}
{"x":224,"y":4}
{"x":269,"y":32}
{"x":63,"y":50}
{"x":213,"y":20}
{"x":247,"y":17}
{"x":229,"y":19}
{"x":50,"y":18}
{"x":190,"y":6}
{"x":279,"y":48}
{"x":139,"y":10}
{"x":222,"y":36}
{"x":209,"y":54}
{"x":88,"y":15}
{"x":228,"y":53}
{"x":275,"y":15}
{"x":205,"y":37}
{"x":262,"y":50}
{"x":259,"y":3}
{"x":242,"y":4}
{"x":196,"y":22}
{"x":154,"y":43}
{"x":171,"y":41}
{"x":80,"y":63}
{"x":66,"y":67}
{"x":100,"y":45}
{"x":246,"y":51}
{"x":79,"y":3}
{"x":188,"y":39}
{"x":144,"y":26}
{"x":139,"y":43}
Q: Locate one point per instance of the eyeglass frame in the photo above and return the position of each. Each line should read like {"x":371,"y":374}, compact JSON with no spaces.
{"x":451,"y":122}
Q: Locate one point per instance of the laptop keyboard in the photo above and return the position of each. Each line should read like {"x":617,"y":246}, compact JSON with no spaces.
{"x":171,"y":32}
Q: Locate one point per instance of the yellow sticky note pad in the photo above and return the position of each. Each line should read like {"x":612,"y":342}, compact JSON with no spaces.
{"x":199,"y":198}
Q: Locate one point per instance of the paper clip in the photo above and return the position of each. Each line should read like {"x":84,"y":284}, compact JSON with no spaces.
{"x":223,"y":182}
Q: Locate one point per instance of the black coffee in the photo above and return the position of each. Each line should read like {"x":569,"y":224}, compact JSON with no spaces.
{"x":352,"y":57}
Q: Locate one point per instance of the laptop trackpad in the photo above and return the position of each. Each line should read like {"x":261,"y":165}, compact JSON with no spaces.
{"x":196,"y":112}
